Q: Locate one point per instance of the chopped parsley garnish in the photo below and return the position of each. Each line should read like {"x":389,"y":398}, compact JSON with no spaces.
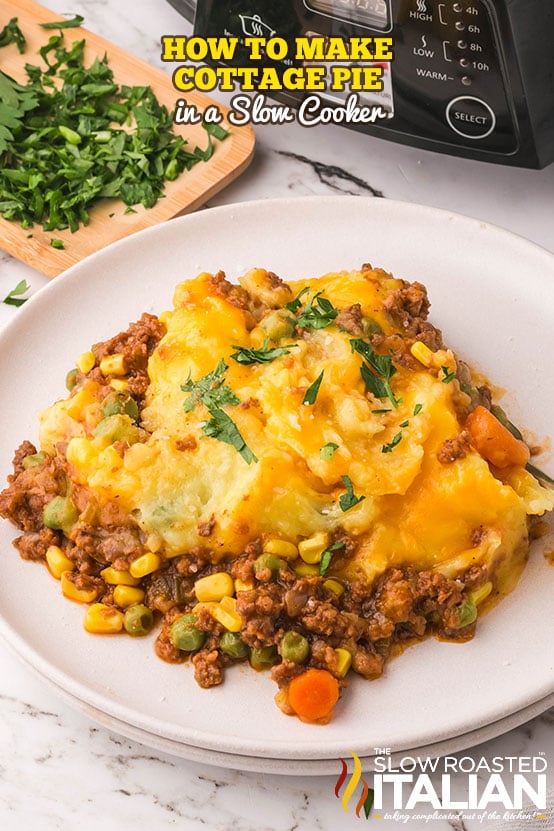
{"x":404,"y":423}
{"x":210,"y":390}
{"x":382,"y":410}
{"x":349,"y":499}
{"x":243,"y":355}
{"x":327,"y":556}
{"x":13,"y":298}
{"x":72,"y":23}
{"x":417,"y":409}
{"x":296,"y":304}
{"x":377,"y":370}
{"x":57,"y":243}
{"x":313,"y":389}
{"x":215,"y":394}
{"x":11,"y":33}
{"x":328,"y":451}
{"x":318,"y":313}
{"x":388,"y":448}
{"x":222,"y":427}
{"x":448,"y":376}
{"x":63,"y":146}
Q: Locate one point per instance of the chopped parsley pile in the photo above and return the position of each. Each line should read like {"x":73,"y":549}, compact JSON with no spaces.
{"x":71,"y":135}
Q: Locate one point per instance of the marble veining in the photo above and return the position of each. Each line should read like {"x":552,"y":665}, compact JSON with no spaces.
{"x":59,"y":771}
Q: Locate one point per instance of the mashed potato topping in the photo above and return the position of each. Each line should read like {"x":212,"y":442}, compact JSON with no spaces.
{"x":325,"y":415}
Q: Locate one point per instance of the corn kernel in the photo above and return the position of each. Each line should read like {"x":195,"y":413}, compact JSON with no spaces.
{"x":145,"y":565}
{"x":127,"y":596}
{"x":154,"y":543}
{"x":57,"y":561}
{"x":85,"y":362}
{"x":214,"y":586}
{"x":334,"y":586}
{"x":103,"y":620}
{"x":282,"y":548}
{"x":71,"y":591}
{"x":118,"y":578}
{"x":229,"y":603}
{"x":480,"y":594}
{"x":231,"y":621}
{"x":113,"y":364}
{"x":243,"y":585}
{"x":119,"y":384}
{"x":344,"y":661}
{"x":312,"y":548}
{"x":422,"y":353}
{"x":306,"y":570}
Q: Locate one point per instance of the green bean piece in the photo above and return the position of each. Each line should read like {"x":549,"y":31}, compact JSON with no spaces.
{"x":60,"y":514}
{"x":138,"y":620}
{"x":270,"y":561}
{"x":370,"y":327}
{"x":263,"y":657}
{"x":294,"y":647}
{"x":120,"y":403}
{"x":71,"y":379}
{"x":499,"y":413}
{"x":233,"y":645}
{"x":277,"y":325}
{"x":34,"y":460}
{"x":117,"y":428}
{"x":185,"y":635}
{"x":467,"y":613}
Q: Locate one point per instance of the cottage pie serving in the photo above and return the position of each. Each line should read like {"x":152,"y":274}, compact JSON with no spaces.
{"x":299,"y":475}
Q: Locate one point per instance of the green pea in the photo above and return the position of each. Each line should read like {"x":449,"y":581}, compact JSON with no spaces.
{"x":233,"y":645}
{"x":264,"y":657}
{"x":294,"y":647}
{"x":270,"y":561}
{"x":119,"y":403}
{"x":60,"y":514}
{"x":71,"y":379}
{"x":185,"y":635}
{"x":467,"y":613}
{"x":138,"y":620}
{"x":34,"y":460}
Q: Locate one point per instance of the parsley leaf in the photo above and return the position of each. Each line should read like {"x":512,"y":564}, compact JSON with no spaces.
{"x":388,"y":448}
{"x":318,"y":313}
{"x":377,"y":371}
{"x":13,"y":299}
{"x":313,"y":389}
{"x":448,"y":376}
{"x":73,"y":23}
{"x":11,"y":33}
{"x":209,"y":390}
{"x":417,"y":409}
{"x":404,"y":423}
{"x":243,"y":355}
{"x":327,"y":556}
{"x":57,"y":243}
{"x":222,"y":427}
{"x":385,"y":410}
{"x":349,"y":499}
{"x":328,"y":451}
{"x":295,"y":304}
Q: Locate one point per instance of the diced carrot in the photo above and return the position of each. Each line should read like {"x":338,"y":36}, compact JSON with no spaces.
{"x":313,"y":694}
{"x":494,"y":442}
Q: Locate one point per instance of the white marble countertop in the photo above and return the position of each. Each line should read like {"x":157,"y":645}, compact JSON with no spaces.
{"x":60,"y":770}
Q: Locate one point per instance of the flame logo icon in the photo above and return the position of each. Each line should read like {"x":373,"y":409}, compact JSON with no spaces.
{"x":366,"y":798}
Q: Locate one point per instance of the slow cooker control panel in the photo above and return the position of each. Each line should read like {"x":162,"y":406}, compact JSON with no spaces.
{"x":447,"y":75}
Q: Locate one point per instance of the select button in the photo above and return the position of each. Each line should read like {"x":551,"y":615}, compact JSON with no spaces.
{"x":470,"y":117}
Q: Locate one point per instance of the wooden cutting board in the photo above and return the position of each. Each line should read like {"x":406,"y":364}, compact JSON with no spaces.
{"x":190,"y":190}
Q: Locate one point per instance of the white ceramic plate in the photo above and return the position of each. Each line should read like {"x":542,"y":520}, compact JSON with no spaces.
{"x":492,"y":296}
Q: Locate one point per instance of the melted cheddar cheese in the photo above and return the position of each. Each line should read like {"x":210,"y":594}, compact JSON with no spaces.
{"x":406,"y":507}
